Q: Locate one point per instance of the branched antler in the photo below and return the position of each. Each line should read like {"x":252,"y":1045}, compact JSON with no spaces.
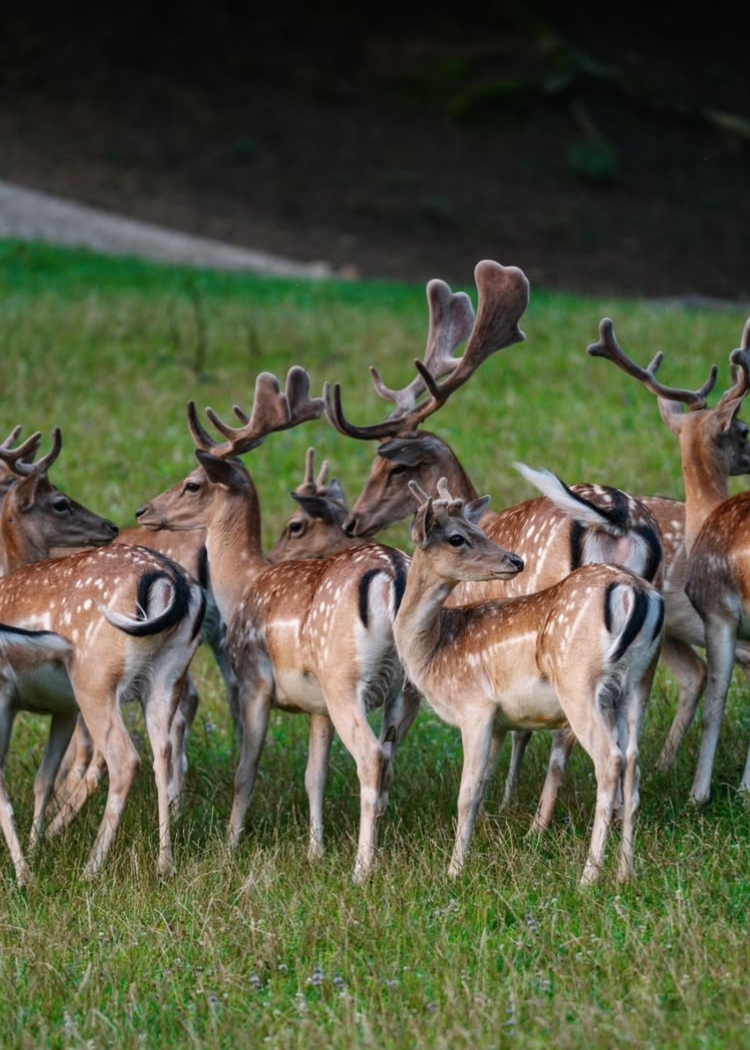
{"x":20,"y":459}
{"x":609,"y":348}
{"x":503,"y":293}
{"x":272,"y":410}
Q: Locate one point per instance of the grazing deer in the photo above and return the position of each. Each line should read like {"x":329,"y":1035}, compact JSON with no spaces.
{"x":132,"y":620}
{"x":316,"y":529}
{"x":554,"y":533}
{"x":704,"y":597}
{"x":312,"y":636}
{"x":581,"y":653}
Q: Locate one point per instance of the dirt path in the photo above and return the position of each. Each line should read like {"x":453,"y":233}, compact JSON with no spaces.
{"x":30,"y":215}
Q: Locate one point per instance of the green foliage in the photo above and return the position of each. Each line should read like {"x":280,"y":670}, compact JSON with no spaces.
{"x":261,"y":948}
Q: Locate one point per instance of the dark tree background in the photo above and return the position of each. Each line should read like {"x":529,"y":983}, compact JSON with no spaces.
{"x":601,"y":150}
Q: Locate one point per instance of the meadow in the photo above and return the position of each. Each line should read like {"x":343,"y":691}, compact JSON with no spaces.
{"x":261,"y":948}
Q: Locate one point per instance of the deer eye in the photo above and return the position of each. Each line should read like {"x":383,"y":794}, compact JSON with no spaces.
{"x":192,"y":486}
{"x":61,"y":506}
{"x":295,"y":528}
{"x":457,"y":540}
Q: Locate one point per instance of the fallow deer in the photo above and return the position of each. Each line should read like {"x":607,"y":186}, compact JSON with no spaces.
{"x":704,"y":595}
{"x":316,"y":529}
{"x":132,"y":619}
{"x":580,"y":653}
{"x":312,"y":636}
{"x":554,"y":533}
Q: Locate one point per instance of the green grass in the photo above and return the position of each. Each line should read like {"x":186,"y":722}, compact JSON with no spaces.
{"x":261,"y":948}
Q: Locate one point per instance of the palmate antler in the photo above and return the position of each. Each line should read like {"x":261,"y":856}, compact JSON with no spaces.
{"x":272,"y":410}
{"x":503,"y":293}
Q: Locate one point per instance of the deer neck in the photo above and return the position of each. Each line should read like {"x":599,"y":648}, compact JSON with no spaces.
{"x":234,"y":549}
{"x":706,"y":486}
{"x":417,"y":626}
{"x":17,"y":547}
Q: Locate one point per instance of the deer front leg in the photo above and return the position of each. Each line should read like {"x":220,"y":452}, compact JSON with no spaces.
{"x":563,"y":742}
{"x":720,"y":649}
{"x":476,"y":736}
{"x":7,"y":821}
{"x":519,"y":741}
{"x":255,"y":713}
{"x":316,"y":773}
{"x":74,"y":764}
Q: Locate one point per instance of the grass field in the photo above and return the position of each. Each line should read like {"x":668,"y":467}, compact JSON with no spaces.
{"x":260,"y":948}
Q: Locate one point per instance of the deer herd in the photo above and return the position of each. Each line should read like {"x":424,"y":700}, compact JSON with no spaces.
{"x":548,"y":615}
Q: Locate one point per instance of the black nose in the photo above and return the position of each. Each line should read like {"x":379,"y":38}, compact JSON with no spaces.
{"x":517,"y":562}
{"x":141,"y":511}
{"x":113,"y":528}
{"x":349,"y":526}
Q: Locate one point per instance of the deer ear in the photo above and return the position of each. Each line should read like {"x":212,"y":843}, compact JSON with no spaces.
{"x":725,"y":414}
{"x":473,"y":511}
{"x":672,"y":413}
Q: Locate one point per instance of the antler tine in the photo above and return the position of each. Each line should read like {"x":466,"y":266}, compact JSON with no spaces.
{"x":18,"y":458}
{"x":272,"y":410}
{"x":739,"y":360}
{"x":387,"y":428}
{"x":201,"y":437}
{"x":503,"y":298}
{"x":451,"y":323}
{"x":322,"y":479}
{"x":609,"y":348}
{"x":310,"y":486}
{"x":30,"y":446}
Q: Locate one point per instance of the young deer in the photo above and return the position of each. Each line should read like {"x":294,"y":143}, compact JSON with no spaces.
{"x":554,"y":533}
{"x":703,"y":596}
{"x":132,"y":620}
{"x":581,"y":653}
{"x":311,"y":636}
{"x":316,"y":529}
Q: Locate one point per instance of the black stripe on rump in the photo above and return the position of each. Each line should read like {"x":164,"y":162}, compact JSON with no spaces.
{"x":398,"y":579}
{"x":635,"y":621}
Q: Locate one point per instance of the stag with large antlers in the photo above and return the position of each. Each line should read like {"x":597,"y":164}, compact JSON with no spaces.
{"x":704,"y":597}
{"x":311,"y":636}
{"x":580,"y":653}
{"x":131,"y":619}
{"x":567,"y":527}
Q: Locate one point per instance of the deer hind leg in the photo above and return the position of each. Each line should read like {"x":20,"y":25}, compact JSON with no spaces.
{"x":61,"y":731}
{"x":597,"y":734}
{"x":114,"y":748}
{"x":316,"y":773}
{"x":477,"y":738}
{"x":689,"y":671}
{"x":630,"y":723}
{"x":720,"y":651}
{"x":182,"y":723}
{"x":348,"y":714}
